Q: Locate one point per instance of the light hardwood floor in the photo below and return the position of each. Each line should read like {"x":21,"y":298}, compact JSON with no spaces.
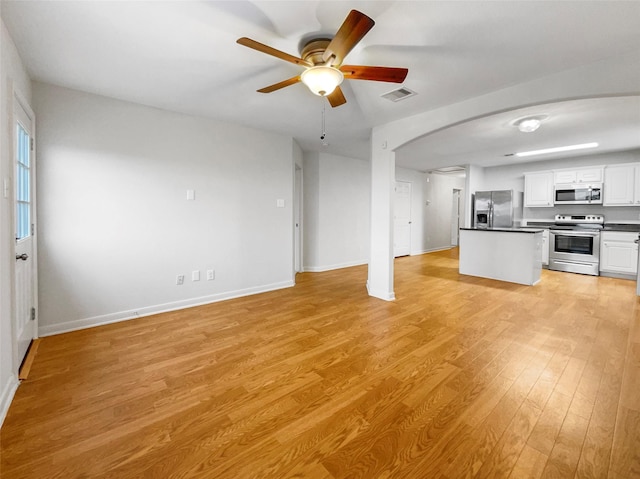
{"x":459,"y":377}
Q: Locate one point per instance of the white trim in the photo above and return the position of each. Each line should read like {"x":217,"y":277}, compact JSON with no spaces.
{"x":385,"y":295}
{"x":160,"y":308}
{"x":320,"y":269}
{"x":432,"y":250}
{"x":6,"y":397}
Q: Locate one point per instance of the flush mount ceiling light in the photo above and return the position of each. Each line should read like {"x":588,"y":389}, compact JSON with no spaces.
{"x":557,"y":149}
{"x":529,"y":124}
{"x":322,"y":80}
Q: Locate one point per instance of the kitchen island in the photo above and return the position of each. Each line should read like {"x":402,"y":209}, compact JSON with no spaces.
{"x":506,"y":254}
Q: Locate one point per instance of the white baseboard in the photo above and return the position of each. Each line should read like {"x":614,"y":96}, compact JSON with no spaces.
{"x":431,"y":250}
{"x":8,"y":391}
{"x":49,"y":330}
{"x":385,"y":295}
{"x":320,"y":269}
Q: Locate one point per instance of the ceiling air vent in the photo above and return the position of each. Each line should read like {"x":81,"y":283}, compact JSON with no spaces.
{"x":399,"y":94}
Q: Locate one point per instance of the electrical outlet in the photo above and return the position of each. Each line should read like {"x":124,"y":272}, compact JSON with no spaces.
{"x":195,"y":275}
{"x":211,"y":275}
{"x":180,"y":279}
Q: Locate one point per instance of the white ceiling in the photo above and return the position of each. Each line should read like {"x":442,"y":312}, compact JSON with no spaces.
{"x":614,"y":123}
{"x":182,"y":56}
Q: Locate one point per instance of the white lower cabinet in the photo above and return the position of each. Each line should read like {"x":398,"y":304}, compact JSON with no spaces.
{"x":545,"y":247}
{"x":618,"y":252}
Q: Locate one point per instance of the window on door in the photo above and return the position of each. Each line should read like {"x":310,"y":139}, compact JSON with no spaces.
{"x":23,"y":184}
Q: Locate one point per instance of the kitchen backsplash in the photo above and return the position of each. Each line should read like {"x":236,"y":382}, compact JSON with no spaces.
{"x":612,"y":214}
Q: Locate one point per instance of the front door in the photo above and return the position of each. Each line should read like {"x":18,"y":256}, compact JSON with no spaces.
{"x":25,"y":248}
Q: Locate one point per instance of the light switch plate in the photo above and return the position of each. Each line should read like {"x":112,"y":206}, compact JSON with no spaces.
{"x":280,"y":203}
{"x":191,"y":195}
{"x":195,"y":275}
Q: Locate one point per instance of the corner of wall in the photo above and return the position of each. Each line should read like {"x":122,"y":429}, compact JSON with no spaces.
{"x":6,"y":396}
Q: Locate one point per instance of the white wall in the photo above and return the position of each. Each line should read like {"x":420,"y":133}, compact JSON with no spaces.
{"x":116,"y":227}
{"x":12,"y":72}
{"x":512,"y":177}
{"x":431,"y":208}
{"x":336,"y":211}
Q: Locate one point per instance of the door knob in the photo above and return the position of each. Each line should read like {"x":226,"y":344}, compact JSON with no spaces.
{"x":23,"y":257}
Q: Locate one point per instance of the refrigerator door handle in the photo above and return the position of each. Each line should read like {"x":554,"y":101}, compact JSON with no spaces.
{"x":490,"y":222}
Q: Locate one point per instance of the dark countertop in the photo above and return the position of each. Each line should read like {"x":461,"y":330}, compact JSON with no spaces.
{"x":539,"y":224}
{"x":507,"y":230}
{"x":633,"y":228}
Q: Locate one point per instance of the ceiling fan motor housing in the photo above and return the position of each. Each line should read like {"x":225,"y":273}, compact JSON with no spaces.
{"x":314,"y":49}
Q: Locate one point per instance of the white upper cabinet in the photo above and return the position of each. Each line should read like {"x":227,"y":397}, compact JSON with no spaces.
{"x":622,"y":185}
{"x":581,"y":175}
{"x":590,"y":175}
{"x":560,"y":177}
{"x":538,"y":189}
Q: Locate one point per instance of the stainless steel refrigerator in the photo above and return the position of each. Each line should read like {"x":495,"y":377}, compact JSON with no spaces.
{"x":494,"y":209}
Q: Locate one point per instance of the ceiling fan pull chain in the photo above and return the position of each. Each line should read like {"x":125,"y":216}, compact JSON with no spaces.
{"x":324,"y":132}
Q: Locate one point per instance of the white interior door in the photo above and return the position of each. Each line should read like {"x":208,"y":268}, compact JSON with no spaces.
{"x":297,"y":219}
{"x":25,"y":248}
{"x":402,"y":219}
{"x":455,"y":218}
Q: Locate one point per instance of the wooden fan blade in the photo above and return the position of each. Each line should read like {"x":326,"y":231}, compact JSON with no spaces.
{"x":261,"y":47}
{"x":278,"y":86}
{"x":337,"y":97}
{"x":388,"y":74}
{"x":355,"y":26}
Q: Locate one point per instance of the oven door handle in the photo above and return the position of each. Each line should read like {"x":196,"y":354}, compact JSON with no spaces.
{"x":575,"y":233}
{"x":569,"y":263}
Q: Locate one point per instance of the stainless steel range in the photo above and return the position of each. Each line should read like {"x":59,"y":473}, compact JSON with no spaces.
{"x":574,"y":244}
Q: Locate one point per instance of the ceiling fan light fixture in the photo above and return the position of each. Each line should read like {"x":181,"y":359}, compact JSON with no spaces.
{"x":322,"y":80}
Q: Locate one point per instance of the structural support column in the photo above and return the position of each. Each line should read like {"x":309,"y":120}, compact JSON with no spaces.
{"x":383,"y":162}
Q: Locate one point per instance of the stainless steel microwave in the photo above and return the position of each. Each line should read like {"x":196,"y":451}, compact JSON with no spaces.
{"x":578,"y":194}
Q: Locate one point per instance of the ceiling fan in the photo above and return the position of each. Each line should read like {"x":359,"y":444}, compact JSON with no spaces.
{"x":323,"y":59}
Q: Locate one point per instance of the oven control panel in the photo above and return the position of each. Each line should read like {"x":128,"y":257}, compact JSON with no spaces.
{"x":580,"y":219}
